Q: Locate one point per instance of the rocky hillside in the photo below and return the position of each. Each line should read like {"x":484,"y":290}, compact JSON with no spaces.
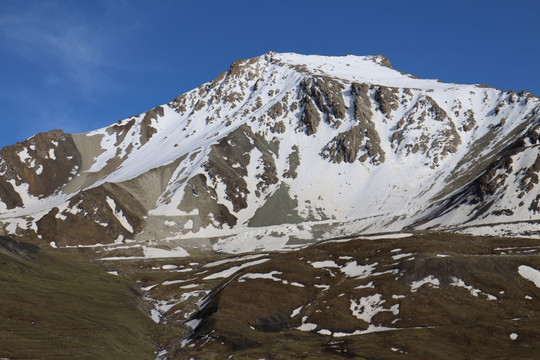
{"x":427,"y":295}
{"x":282,"y":150}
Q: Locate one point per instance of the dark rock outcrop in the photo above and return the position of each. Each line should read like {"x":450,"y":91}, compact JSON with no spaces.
{"x":44,"y":163}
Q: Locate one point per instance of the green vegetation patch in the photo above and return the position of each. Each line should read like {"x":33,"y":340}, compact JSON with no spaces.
{"x":57,"y":305}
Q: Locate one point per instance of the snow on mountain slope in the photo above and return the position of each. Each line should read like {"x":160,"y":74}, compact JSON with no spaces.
{"x":281,"y":150}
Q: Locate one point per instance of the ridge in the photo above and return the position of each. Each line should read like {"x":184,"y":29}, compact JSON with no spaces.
{"x":279,"y":151}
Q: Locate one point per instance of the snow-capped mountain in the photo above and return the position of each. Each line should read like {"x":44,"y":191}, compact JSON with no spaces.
{"x":281,"y":150}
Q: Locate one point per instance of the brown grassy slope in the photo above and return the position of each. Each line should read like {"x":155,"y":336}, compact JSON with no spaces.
{"x":58,"y":306}
{"x":251,"y":318}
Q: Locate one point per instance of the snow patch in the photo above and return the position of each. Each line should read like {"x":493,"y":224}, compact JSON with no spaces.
{"x":306,"y":326}
{"x":353,"y":269}
{"x":367,"y":286}
{"x":119,"y":215}
{"x":474,"y":291}
{"x":24,"y":155}
{"x":160,"y":308}
{"x":369,"y":306}
{"x":151,"y":252}
{"x":400,"y":256}
{"x":230,"y":271}
{"x":428,"y":280}
{"x":323,"y":264}
{"x":296,"y":311}
{"x":169,"y":267}
{"x":269,"y":276}
{"x":530,"y":274}
{"x":324,"y":332}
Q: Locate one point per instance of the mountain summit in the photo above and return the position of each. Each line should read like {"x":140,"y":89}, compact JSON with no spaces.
{"x":282,"y":150}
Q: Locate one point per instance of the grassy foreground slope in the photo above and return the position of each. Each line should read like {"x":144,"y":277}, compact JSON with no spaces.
{"x":57,"y":305}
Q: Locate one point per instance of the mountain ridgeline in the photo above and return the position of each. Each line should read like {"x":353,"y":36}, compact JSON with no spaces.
{"x":286,"y":148}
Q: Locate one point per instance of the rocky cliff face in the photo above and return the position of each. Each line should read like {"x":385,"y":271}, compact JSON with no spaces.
{"x":284,"y":149}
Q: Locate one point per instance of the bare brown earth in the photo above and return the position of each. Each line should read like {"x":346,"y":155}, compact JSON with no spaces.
{"x":432,"y":296}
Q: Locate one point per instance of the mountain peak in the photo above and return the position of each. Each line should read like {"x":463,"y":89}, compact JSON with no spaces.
{"x":371,"y":69}
{"x":335,"y":145}
{"x":382,"y":60}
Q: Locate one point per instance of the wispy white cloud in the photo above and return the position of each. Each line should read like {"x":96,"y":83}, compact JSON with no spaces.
{"x":67,"y":42}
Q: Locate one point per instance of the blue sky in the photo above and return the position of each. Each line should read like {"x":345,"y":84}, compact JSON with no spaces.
{"x":81,"y":65}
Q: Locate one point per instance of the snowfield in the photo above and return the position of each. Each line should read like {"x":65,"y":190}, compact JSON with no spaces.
{"x":284,"y":150}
